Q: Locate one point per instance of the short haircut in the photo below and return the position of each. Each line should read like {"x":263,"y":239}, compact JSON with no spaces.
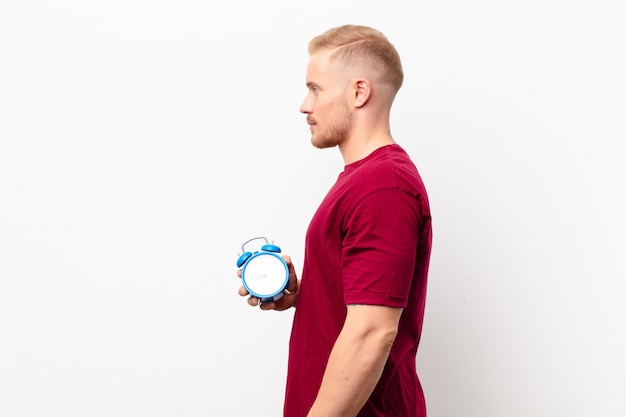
{"x":362,"y":44}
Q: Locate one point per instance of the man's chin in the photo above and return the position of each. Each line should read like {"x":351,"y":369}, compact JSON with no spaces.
{"x":322,"y":144}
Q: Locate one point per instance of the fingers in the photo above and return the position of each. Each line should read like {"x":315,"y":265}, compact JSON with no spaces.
{"x":268,"y":306}
{"x":293,"y":278}
{"x":292,"y":270}
{"x":255,"y":302}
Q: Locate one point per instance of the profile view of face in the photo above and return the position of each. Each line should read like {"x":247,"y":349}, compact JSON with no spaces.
{"x":325,"y":105}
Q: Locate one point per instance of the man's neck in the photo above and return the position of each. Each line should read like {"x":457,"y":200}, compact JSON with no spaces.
{"x":358,"y":148}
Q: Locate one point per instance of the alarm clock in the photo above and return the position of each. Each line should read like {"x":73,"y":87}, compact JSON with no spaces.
{"x":264,"y":273}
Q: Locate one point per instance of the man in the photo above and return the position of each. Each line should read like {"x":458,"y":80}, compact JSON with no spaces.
{"x":360,"y":302}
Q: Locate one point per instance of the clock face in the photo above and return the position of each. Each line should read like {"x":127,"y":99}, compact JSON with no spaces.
{"x":265,"y":275}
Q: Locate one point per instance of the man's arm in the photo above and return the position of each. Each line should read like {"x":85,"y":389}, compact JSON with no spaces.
{"x":357,"y":360}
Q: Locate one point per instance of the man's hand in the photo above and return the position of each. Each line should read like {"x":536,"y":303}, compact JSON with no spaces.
{"x":283,"y":303}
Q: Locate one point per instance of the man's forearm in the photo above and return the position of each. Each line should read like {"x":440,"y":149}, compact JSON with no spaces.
{"x":353,"y":370}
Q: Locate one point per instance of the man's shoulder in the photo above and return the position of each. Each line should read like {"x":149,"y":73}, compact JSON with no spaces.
{"x":389,"y":167}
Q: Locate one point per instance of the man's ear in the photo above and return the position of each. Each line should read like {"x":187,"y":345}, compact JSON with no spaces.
{"x":362,"y":92}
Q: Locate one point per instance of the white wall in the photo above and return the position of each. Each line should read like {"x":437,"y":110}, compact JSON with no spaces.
{"x":143,"y":142}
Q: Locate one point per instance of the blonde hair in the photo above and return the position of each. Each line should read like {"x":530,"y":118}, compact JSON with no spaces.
{"x":362,"y":44}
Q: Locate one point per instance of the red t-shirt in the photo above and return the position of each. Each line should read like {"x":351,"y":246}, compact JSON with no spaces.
{"x":368,"y":243}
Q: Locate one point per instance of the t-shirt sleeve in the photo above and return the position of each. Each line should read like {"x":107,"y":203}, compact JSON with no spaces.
{"x":379,"y":249}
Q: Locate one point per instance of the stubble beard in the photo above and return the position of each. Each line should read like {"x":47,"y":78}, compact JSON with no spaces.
{"x":335,"y":134}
